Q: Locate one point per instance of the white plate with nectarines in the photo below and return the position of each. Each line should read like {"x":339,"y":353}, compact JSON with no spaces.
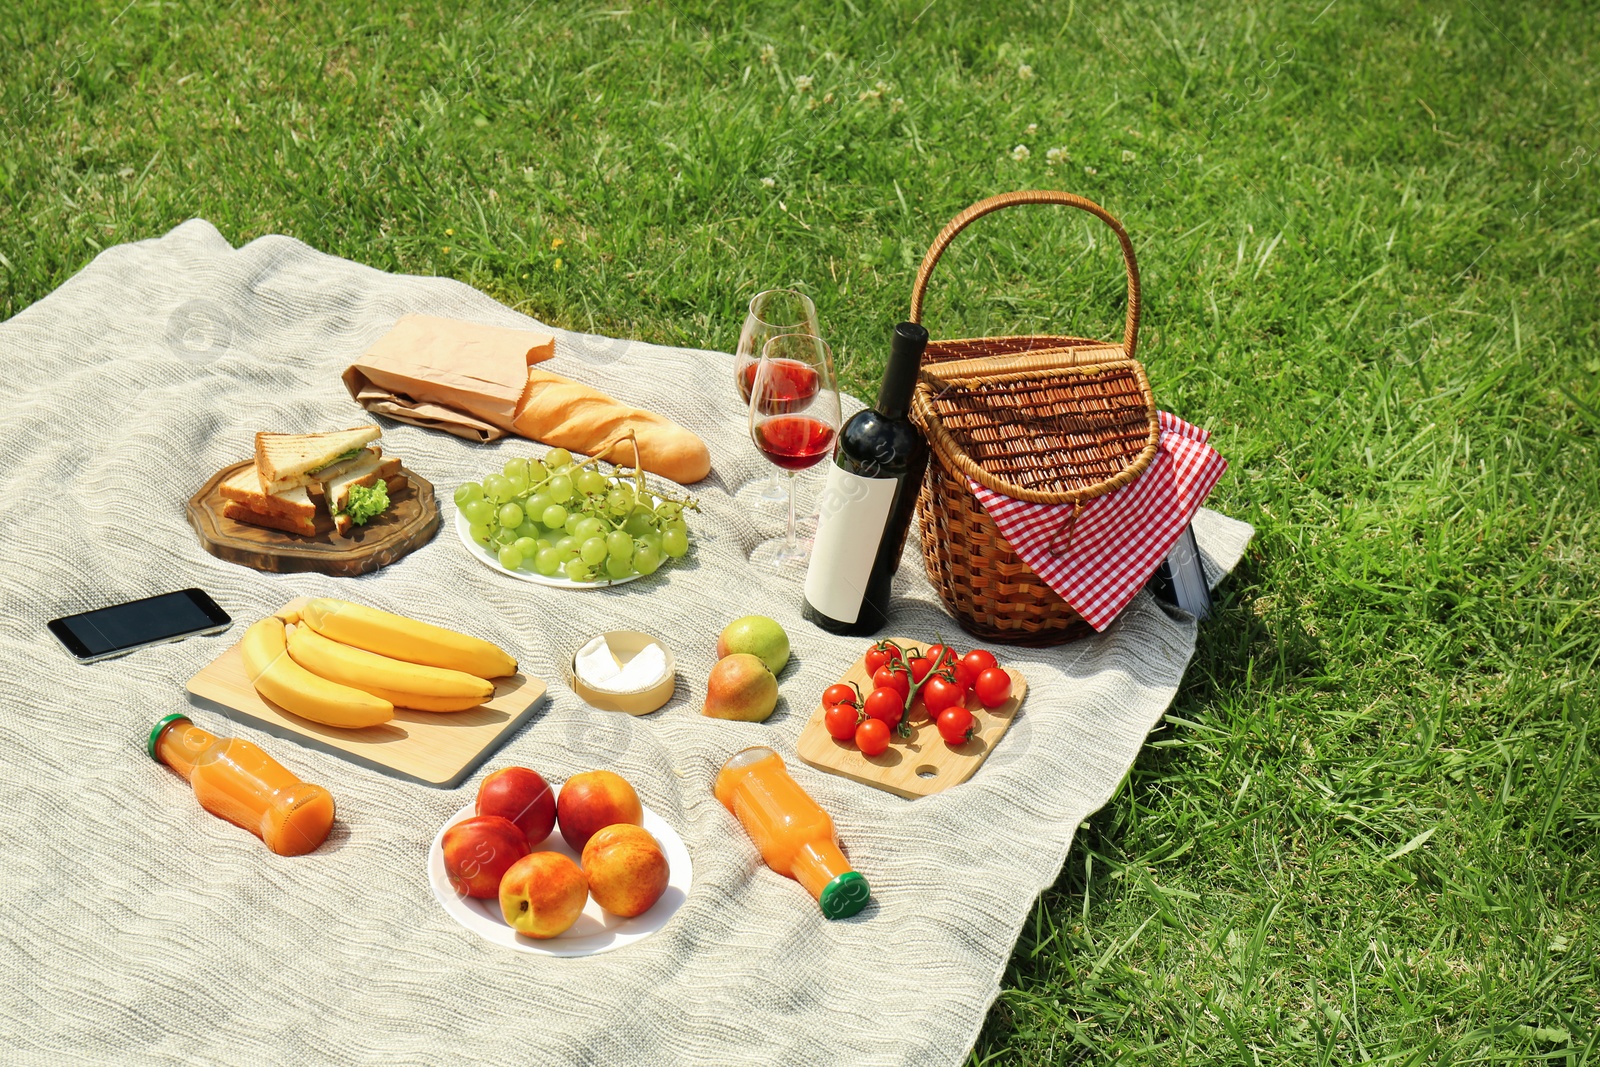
{"x":611,"y":873}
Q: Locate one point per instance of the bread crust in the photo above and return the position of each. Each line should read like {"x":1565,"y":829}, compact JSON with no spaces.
{"x":240,"y":513}
{"x":244,"y":488}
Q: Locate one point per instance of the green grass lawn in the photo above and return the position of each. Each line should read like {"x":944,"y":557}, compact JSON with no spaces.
{"x":1371,"y":261}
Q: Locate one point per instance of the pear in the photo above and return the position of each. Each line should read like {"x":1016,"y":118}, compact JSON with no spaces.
{"x":759,"y":636}
{"x":741,"y":688}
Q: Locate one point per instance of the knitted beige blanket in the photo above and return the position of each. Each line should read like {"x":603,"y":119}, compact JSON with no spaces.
{"x":136,"y":928}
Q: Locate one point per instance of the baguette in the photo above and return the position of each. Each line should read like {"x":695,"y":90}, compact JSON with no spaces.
{"x":566,"y":414}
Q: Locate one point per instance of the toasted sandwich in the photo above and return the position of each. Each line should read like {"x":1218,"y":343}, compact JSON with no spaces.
{"x":248,"y":500}
{"x":359,"y":462}
{"x":290,"y":460}
{"x":295,"y":509}
{"x":242,"y":513}
{"x":309,"y":484}
{"x":363,"y":473}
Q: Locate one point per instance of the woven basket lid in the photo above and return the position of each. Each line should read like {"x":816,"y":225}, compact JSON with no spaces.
{"x":1061,"y":436}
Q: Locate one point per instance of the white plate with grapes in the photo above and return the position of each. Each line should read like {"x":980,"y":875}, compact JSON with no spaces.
{"x":567,"y":525}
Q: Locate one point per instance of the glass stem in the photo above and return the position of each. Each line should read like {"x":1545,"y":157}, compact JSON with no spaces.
{"x":793,"y":544}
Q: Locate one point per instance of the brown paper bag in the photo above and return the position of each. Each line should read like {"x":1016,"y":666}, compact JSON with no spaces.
{"x":461,"y":377}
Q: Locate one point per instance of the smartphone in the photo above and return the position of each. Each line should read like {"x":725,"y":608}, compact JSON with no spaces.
{"x":107,"y":632}
{"x":1181,"y":579}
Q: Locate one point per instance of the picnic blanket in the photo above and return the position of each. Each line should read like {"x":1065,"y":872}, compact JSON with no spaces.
{"x":136,"y":928}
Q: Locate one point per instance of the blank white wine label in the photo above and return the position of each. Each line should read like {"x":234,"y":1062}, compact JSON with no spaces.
{"x":854,"y":511}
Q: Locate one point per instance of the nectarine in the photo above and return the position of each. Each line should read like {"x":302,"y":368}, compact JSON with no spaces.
{"x":627,"y":870}
{"x":524,"y":797}
{"x":543,"y":894}
{"x":593,"y":800}
{"x":478,"y":851}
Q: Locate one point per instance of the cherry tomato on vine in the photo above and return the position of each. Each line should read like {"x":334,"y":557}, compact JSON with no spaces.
{"x":881,"y":653}
{"x":993,"y":687}
{"x":955,"y":725}
{"x":939,"y":653}
{"x":842,"y":720}
{"x":886,"y":705}
{"x":979,"y":660}
{"x":842,"y":693}
{"x":889,"y":678}
{"x":872,"y":737}
{"x":964,"y":677}
{"x":941,"y":693}
{"x":920,"y":668}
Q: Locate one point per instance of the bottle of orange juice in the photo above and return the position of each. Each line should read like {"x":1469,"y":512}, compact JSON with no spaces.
{"x":235,"y":780}
{"x":795,"y":836}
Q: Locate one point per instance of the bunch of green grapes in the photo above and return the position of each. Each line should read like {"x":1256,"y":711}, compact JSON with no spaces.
{"x":556,"y":516}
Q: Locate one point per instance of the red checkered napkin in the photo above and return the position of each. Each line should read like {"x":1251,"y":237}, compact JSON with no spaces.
{"x":1098,"y":563}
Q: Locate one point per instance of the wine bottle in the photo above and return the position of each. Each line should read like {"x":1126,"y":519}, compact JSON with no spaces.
{"x":868,"y":499}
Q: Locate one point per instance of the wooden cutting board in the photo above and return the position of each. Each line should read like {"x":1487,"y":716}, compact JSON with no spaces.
{"x":434,"y":749}
{"x":922,"y":764}
{"x":410,"y":523}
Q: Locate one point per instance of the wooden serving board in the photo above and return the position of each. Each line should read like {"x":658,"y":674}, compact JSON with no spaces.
{"x":918,"y":766}
{"x":410,"y":523}
{"x":437,"y":749}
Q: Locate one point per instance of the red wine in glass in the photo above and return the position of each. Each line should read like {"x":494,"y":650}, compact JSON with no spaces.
{"x":794,"y":416}
{"x":773,"y":312}
{"x":747,"y":379}
{"x":790,"y":385}
{"x":795,"y":442}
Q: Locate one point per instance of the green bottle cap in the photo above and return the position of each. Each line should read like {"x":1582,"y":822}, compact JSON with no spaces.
{"x":150,"y":745}
{"x":845,"y":895}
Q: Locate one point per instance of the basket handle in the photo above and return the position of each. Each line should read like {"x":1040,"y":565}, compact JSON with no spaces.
{"x":1032,"y":196}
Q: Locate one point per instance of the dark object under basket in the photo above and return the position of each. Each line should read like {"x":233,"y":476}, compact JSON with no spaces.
{"x":1046,"y":419}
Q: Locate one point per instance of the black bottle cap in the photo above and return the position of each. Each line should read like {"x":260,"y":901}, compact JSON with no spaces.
{"x":900,"y":376}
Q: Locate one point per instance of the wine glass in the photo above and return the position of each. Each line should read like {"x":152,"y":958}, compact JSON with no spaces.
{"x":794,"y":415}
{"x":773,"y":312}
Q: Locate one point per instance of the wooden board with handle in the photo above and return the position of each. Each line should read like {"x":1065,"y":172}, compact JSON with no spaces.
{"x":410,"y":523}
{"x":918,"y":766}
{"x":438,"y":749}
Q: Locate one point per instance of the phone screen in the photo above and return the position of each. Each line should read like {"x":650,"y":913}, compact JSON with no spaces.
{"x":139,"y":622}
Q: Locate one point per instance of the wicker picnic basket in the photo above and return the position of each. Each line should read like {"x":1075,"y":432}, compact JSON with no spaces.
{"x":1044,"y":419}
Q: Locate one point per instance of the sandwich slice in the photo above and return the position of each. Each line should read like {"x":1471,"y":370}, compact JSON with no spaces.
{"x":249,"y":501}
{"x":291,"y":460}
{"x":359,"y":461}
{"x":272,"y":521}
{"x":359,"y":491}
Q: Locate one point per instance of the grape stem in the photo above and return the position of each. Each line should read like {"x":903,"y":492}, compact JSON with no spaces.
{"x":642,"y":489}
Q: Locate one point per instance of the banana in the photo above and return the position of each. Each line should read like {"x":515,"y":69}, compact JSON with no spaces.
{"x":423,"y":702}
{"x":405,"y":685}
{"x":401,"y":638}
{"x":284,"y":682}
